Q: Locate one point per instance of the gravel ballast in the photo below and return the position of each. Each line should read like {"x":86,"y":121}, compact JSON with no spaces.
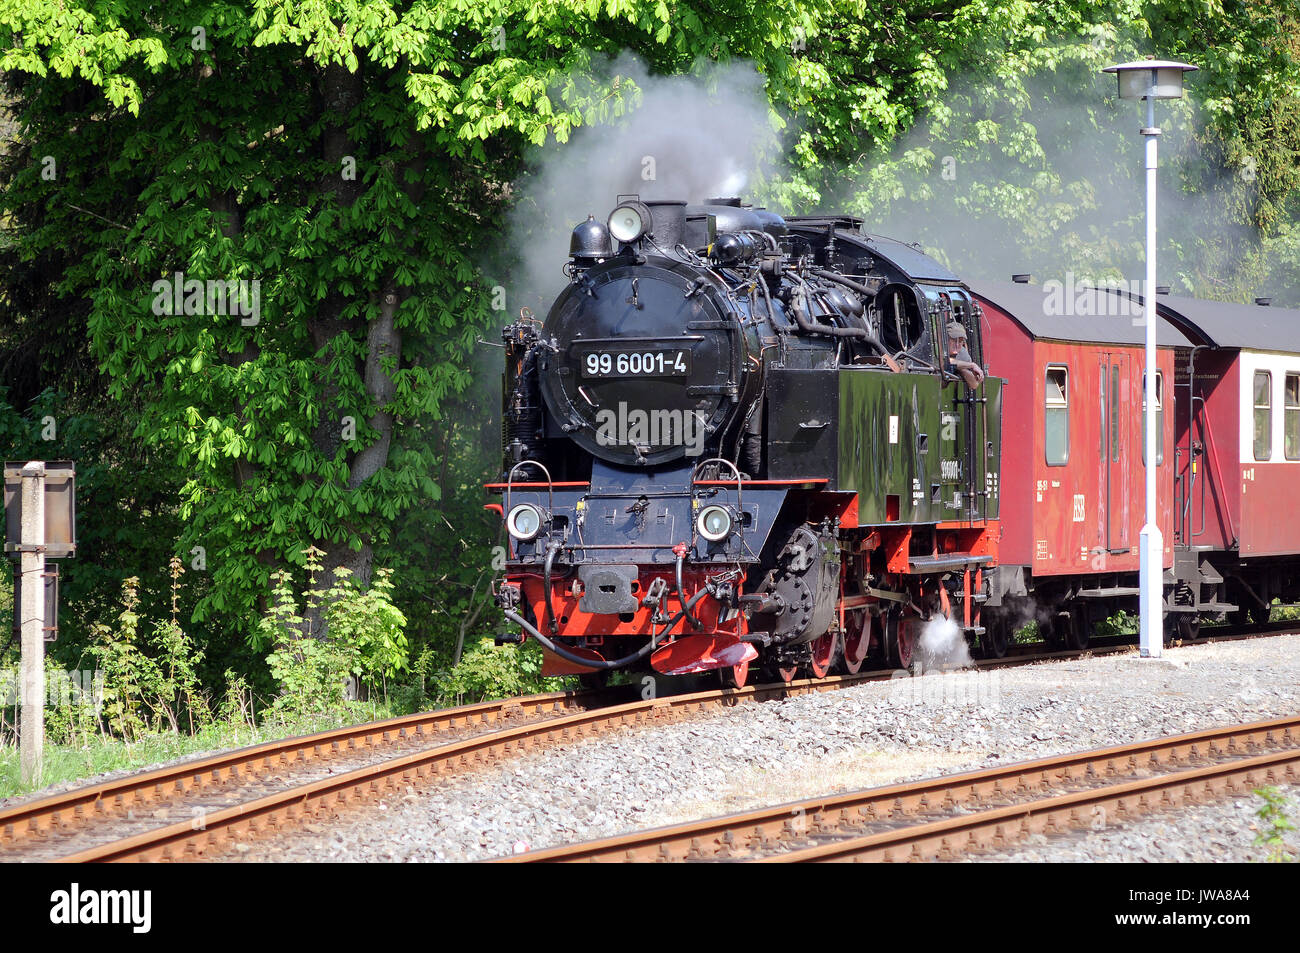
{"x":757,"y":755}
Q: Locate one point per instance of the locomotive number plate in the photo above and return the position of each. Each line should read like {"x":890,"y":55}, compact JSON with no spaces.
{"x":642,"y":362}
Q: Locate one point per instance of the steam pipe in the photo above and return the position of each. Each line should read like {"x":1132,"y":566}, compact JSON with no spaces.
{"x":846,"y":282}
{"x":829,"y":330}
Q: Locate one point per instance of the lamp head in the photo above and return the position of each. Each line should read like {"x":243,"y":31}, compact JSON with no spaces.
{"x":1150,"y":79}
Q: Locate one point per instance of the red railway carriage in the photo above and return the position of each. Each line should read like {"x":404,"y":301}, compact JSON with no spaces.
{"x":1237,"y":435}
{"x":1073,"y":468}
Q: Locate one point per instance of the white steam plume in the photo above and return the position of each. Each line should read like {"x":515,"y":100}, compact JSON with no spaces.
{"x":691,"y":137}
{"x":942,"y":646}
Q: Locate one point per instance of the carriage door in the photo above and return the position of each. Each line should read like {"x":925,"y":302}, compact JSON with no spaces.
{"x":1115,"y":368}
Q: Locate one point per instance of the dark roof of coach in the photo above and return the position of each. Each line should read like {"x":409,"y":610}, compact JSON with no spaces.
{"x":1186,"y":321}
{"x":1036,"y":308}
{"x":1232,"y":325}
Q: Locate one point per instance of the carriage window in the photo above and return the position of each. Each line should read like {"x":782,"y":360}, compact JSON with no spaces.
{"x":1160,"y":419}
{"x":1056,"y":416}
{"x":1263,"y":415}
{"x":1291,"y":419}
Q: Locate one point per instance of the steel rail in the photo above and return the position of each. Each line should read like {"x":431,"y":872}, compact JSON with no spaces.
{"x":765,"y":830}
{"x":1000,"y":826}
{"x":191,"y":838}
{"x":106,"y":797}
{"x":105,"y":800}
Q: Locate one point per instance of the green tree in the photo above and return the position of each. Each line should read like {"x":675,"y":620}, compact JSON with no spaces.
{"x":348,"y":158}
{"x":356,"y":160}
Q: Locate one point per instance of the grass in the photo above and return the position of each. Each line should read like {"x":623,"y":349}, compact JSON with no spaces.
{"x":65,"y":763}
{"x":1281,"y":613}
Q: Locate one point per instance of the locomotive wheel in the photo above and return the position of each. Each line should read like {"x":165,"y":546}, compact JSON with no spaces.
{"x":734,"y":676}
{"x":898,"y":639}
{"x":787,"y":673}
{"x":857,"y":640}
{"x":822,"y":654}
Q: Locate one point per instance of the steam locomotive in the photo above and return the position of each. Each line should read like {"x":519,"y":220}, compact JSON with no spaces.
{"x":741,"y":441}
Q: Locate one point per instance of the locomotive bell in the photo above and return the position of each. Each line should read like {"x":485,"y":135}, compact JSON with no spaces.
{"x":590,"y":242}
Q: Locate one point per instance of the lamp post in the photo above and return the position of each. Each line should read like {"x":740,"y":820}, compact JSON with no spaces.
{"x":1151,"y":80}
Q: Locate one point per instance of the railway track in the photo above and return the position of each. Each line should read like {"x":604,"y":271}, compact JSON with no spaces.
{"x":939,"y":818}
{"x":36,"y":828}
{"x":185,"y":810}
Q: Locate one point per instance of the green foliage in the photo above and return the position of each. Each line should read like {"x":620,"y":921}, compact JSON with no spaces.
{"x":1283,"y":613}
{"x":312,"y":673}
{"x":488,"y":671}
{"x":174,"y":693}
{"x":362,"y":636}
{"x":1122,"y":622}
{"x":1275,"y":824}
{"x":72,"y":705}
{"x":1027,"y":633}
{"x":120,"y":657}
{"x":148,"y":684}
{"x":237,"y":706}
{"x":368,"y":620}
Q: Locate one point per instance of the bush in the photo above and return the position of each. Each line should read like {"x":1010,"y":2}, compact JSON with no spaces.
{"x":490,"y":671}
{"x":362,"y":637}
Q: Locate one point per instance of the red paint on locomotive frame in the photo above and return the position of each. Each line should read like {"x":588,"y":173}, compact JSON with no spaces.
{"x":574,"y":623}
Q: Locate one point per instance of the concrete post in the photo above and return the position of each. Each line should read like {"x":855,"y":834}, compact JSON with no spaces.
{"x":32,"y":614}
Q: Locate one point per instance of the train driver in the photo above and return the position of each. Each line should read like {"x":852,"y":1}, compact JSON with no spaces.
{"x":959,"y":360}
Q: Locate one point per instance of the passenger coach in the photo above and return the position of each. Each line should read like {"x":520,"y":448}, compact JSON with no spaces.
{"x":1228,"y":453}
